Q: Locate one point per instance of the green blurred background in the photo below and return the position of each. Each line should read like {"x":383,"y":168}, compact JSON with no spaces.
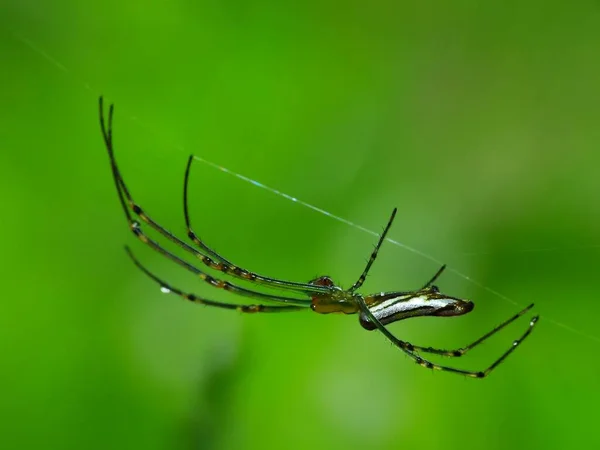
{"x":479,"y":121}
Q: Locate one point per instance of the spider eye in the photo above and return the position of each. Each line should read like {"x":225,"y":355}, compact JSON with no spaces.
{"x":322,"y":281}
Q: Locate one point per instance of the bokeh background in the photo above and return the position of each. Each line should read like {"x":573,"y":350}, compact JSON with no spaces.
{"x":479,"y":121}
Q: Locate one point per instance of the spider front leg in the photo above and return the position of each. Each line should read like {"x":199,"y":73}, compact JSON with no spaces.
{"x":130,"y":208}
{"x":410,"y":349}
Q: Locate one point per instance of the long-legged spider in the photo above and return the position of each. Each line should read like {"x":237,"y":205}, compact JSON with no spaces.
{"x":321,"y":295}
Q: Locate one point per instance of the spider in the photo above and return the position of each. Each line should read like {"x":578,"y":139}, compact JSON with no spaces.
{"x":321,"y":295}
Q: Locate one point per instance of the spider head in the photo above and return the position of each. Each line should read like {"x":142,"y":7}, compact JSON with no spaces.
{"x":332,"y":300}
{"x":323,"y":281}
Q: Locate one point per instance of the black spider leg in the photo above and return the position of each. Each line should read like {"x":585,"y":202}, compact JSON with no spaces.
{"x":435,"y":277}
{"x":137,"y":231}
{"x":222,"y":265}
{"x":461,"y":351}
{"x":190,"y":232}
{"x":375,"y":252}
{"x":363,"y":275}
{"x":195,"y":299}
{"x":406,"y":347}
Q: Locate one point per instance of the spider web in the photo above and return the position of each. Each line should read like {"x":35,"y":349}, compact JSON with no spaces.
{"x":53,"y":61}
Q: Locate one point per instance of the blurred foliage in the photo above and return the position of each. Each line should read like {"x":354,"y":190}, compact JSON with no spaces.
{"x":478,"y":120}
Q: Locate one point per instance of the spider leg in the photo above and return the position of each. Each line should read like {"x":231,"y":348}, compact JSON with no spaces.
{"x":138,"y":232}
{"x":228,"y":267}
{"x":190,"y":232}
{"x":409,"y":348}
{"x":195,"y":299}
{"x":222,"y":264}
{"x":463,"y":350}
{"x":363,"y":276}
{"x":435,"y":277}
{"x":215,"y":282}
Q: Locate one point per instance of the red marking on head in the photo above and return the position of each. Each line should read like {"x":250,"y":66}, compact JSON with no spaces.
{"x":323,"y":281}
